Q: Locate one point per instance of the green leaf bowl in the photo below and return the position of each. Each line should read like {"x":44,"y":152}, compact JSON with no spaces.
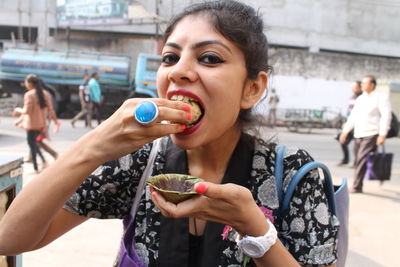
{"x":174,"y":187}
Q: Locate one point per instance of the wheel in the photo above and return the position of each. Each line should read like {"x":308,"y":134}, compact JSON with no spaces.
{"x":292,"y":126}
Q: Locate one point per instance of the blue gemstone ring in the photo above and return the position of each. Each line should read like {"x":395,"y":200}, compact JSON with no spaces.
{"x":146,"y":112}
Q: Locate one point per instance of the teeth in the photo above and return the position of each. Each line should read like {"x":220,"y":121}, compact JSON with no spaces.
{"x":182,"y":98}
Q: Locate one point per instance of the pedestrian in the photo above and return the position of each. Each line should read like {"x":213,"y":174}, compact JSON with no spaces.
{"x":37,"y":105}
{"x":218,"y":73}
{"x":96,"y":96}
{"x":272,"y":106}
{"x":356,"y":89}
{"x":50,"y":116}
{"x":370,"y":119}
{"x":86,"y":103}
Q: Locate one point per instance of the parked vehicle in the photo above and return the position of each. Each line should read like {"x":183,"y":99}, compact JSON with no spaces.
{"x":62,"y":72}
{"x":307,"y":119}
{"x":146,"y":75}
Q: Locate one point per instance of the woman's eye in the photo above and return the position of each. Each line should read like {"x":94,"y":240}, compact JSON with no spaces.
{"x":170,"y":59}
{"x":210,"y":59}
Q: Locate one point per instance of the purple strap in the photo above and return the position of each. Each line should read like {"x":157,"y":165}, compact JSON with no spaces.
{"x":128,"y":256}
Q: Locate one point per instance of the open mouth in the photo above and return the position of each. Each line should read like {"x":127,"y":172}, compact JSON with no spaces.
{"x":196,"y":109}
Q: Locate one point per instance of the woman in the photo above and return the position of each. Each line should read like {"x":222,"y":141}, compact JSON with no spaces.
{"x":221,"y":66}
{"x":37,"y":106}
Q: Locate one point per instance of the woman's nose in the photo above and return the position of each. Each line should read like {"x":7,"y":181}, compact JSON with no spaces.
{"x":183,"y":70}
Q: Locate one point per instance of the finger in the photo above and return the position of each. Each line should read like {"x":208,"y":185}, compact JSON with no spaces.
{"x":227,"y":192}
{"x":179,"y":105}
{"x":189,"y":207}
{"x":169,"y":209}
{"x":163,"y":129}
{"x":174,"y":111}
{"x":160,"y":102}
{"x":159,"y":201}
{"x":173,"y":115}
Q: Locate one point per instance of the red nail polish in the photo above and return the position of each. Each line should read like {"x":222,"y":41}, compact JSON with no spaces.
{"x":189,"y":116}
{"x":183,"y":127}
{"x":153,"y":195}
{"x":151,"y":189}
{"x":201,"y":188}
{"x":186,"y":107}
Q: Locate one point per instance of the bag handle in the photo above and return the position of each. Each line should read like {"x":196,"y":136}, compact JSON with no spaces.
{"x":284,"y":199}
{"x":383,"y":148}
{"x":278,"y":172}
{"x":146,"y":174}
{"x":327,"y":180}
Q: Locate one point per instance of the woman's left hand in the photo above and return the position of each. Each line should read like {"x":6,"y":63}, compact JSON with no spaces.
{"x":16,"y":112}
{"x":228,"y":204}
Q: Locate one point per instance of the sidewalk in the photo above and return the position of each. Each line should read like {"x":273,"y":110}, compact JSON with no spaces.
{"x":373,"y":226}
{"x":95,"y":243}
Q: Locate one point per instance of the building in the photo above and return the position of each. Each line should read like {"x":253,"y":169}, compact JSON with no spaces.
{"x":318,"y":47}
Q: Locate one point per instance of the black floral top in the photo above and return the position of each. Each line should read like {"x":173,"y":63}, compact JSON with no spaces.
{"x":308,"y":230}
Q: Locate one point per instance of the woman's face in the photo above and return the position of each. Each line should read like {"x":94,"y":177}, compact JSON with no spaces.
{"x":28,"y":85}
{"x":199,"y":63}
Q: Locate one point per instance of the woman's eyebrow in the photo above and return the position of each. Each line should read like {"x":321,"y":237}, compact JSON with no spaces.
{"x":174,"y":45}
{"x":208,"y":42}
{"x":200,"y":44}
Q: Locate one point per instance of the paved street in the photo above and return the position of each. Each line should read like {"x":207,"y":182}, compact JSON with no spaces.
{"x":374,"y":215}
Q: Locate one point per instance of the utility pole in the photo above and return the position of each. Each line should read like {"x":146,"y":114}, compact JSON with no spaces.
{"x":20,"y":30}
{"x":30,"y":22}
{"x":157,"y":27}
{"x":46,"y":26}
{"x":157,"y":23}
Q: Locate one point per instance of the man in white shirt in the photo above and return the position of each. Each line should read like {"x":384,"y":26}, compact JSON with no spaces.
{"x":370,"y":119}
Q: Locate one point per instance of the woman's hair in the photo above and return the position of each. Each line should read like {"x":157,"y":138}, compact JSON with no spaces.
{"x":38,"y":84}
{"x":242,"y":25}
{"x":238,"y":23}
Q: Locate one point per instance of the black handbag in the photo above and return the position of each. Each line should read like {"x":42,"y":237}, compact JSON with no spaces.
{"x":337,"y":196}
{"x":394,"y":127}
{"x":379,"y":165}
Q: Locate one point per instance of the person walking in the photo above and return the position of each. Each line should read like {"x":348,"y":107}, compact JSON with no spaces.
{"x":37,"y":104}
{"x":51,"y":116}
{"x":356,"y":88}
{"x":273,"y":103}
{"x":95,"y":96}
{"x":370,"y":119}
{"x":86,"y":103}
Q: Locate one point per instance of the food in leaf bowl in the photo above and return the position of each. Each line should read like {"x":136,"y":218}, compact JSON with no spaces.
{"x":174,"y":187}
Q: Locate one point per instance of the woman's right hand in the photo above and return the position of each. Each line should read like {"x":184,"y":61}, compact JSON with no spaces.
{"x":121,"y":134}
{"x":42,"y":199}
